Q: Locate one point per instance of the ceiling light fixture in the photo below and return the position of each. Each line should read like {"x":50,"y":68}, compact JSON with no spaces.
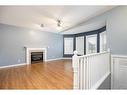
{"x":59,"y":23}
{"x":42,"y":25}
{"x":59,"y":26}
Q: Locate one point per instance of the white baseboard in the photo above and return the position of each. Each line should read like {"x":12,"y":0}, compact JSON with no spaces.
{"x":67,"y":58}
{"x":58,"y":59}
{"x":13,"y":65}
{"x":53,"y":59}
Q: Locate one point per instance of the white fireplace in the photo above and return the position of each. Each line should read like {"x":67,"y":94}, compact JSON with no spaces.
{"x":30,"y":50}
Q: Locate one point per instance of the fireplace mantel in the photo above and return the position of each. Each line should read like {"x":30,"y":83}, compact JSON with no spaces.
{"x":29,"y":50}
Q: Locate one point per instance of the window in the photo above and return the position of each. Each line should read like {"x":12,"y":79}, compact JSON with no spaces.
{"x":68,"y":45}
{"x":103,"y":42}
{"x":80,"y":45}
{"x":91,"y":44}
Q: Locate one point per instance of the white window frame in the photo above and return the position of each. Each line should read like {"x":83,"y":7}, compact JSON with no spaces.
{"x":87,"y":37}
{"x":68,"y":49}
{"x":102,"y":41}
{"x":80,"y":45}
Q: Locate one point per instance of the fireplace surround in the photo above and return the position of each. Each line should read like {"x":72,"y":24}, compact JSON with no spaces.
{"x":31,"y":50}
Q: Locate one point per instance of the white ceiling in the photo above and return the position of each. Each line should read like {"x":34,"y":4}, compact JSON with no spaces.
{"x":33,"y":16}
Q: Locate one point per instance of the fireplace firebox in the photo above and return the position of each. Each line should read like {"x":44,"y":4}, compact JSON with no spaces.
{"x":36,"y":57}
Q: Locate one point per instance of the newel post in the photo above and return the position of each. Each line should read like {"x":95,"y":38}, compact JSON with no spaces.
{"x":75,"y":65}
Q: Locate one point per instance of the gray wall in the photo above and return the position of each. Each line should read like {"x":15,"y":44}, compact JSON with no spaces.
{"x":117,"y":30}
{"x":13,"y":39}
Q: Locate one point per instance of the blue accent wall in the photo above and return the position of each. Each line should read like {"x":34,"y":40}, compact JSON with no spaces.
{"x":13,"y":39}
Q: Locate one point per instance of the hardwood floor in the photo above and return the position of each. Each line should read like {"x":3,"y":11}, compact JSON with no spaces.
{"x":49,"y":75}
